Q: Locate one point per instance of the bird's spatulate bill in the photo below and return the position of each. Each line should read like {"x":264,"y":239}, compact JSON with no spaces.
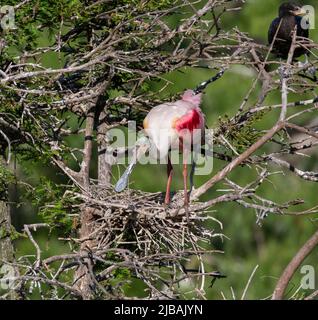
{"x":123,"y":181}
{"x":141,"y":147}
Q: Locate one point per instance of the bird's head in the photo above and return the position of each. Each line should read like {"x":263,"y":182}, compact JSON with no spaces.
{"x":291,"y":9}
{"x":190,"y":96}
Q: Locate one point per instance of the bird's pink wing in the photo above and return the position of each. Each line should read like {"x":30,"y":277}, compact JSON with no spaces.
{"x":193,"y":119}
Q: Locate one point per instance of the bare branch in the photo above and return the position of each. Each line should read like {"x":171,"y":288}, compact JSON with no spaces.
{"x":288,"y":273}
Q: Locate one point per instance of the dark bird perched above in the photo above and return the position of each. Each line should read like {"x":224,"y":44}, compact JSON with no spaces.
{"x":290,"y":15}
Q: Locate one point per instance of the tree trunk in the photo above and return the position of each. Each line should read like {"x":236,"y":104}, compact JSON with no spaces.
{"x":104,"y":168}
{"x":6,"y":246}
{"x":84,"y":281}
{"x":83,"y":276}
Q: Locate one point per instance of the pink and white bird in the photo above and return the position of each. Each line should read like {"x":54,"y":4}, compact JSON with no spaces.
{"x":177,"y":125}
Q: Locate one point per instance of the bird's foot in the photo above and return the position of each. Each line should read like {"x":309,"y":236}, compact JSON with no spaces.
{"x":310,"y":73}
{"x":167,"y":199}
{"x":308,"y":68}
{"x":313,"y":72}
{"x":166,"y":205}
{"x":301,"y":65}
{"x":186,"y":210}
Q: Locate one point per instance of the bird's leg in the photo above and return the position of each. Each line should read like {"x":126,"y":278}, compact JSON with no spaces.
{"x":191,"y":176}
{"x":300,"y":64}
{"x":169,"y":173}
{"x":186,"y":196}
{"x":312,"y":71}
{"x":306,"y":59}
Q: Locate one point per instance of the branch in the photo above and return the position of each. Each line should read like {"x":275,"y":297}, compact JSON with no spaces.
{"x":237,"y":161}
{"x":187,"y":24}
{"x":293,"y":265}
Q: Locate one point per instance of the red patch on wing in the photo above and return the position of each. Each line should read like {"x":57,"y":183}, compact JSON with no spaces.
{"x":190,"y":121}
{"x":186,"y":125}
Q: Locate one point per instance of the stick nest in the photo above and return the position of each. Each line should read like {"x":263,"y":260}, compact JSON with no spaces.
{"x":150,"y":238}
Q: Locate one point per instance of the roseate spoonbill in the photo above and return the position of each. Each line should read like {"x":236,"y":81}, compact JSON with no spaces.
{"x":173,"y":125}
{"x":176,"y":125}
{"x":290,"y":16}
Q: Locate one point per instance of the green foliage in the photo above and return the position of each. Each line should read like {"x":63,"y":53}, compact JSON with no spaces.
{"x":54,"y":207}
{"x":12,"y":233}
{"x":119,"y":279}
{"x":242,"y":133}
{"x":6,"y":177}
{"x":121,"y":274}
{"x":31,"y":19}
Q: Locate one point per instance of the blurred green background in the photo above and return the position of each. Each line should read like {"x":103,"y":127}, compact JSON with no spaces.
{"x":272,"y":245}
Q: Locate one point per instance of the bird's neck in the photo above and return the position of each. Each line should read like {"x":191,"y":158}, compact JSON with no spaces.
{"x":288,"y":17}
{"x":287,"y":23}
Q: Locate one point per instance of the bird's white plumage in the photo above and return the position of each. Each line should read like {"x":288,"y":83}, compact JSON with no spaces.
{"x":159,"y":124}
